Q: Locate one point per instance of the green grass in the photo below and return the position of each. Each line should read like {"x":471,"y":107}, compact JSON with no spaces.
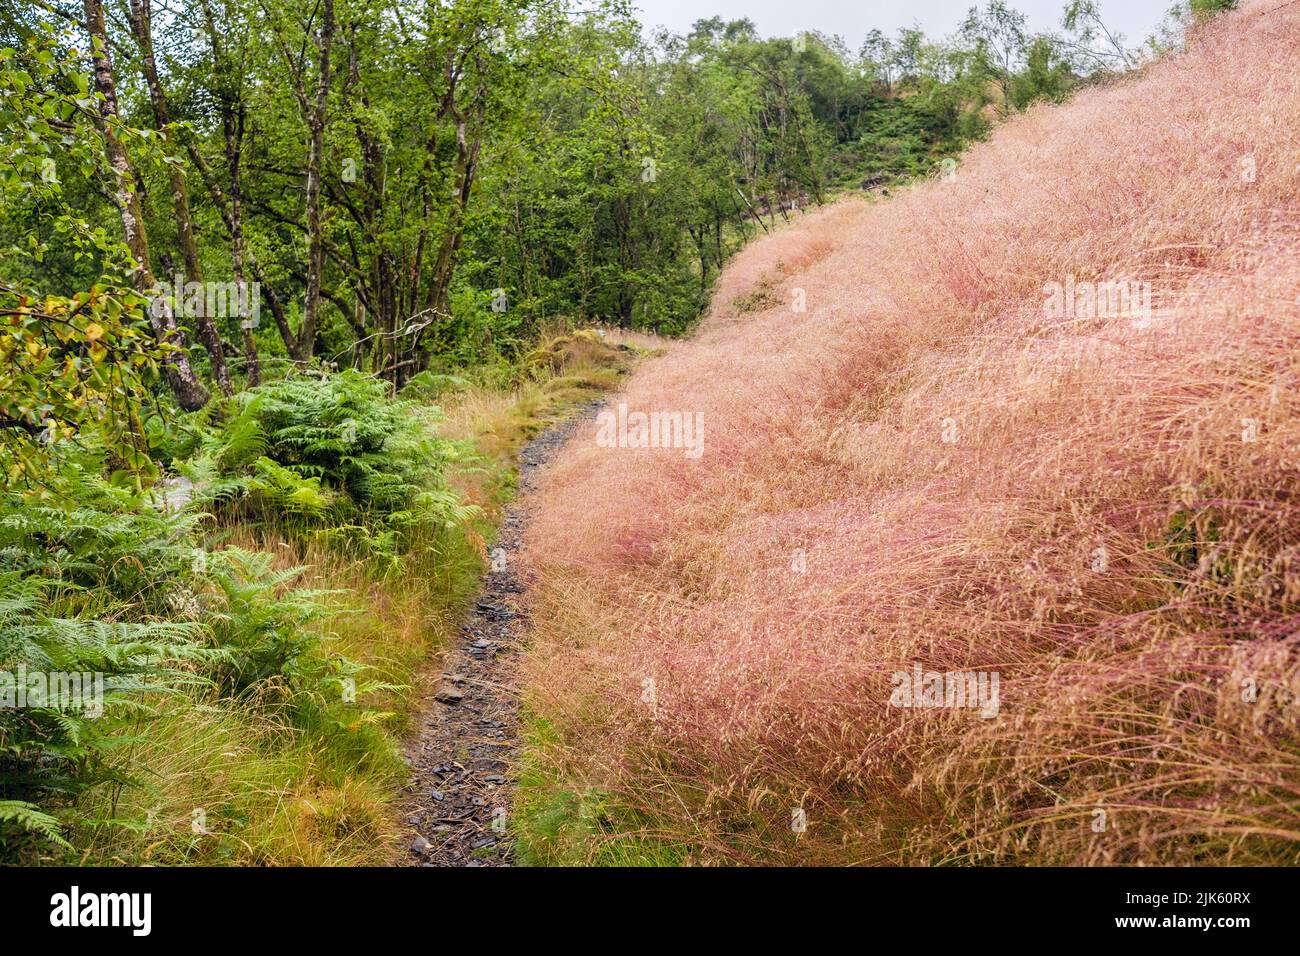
{"x":291,"y":782}
{"x":558,"y":823}
{"x":279,"y":780}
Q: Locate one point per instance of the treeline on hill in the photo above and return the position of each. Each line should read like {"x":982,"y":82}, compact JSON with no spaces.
{"x":419,"y":189}
{"x":245,"y":242}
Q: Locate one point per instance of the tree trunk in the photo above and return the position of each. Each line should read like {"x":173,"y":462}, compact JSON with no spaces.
{"x":232,"y":125}
{"x":315,"y":156}
{"x":234,"y":149}
{"x":467,"y":153}
{"x":232,"y":213}
{"x":189,"y":391}
{"x":224,"y":205}
{"x":139,"y":18}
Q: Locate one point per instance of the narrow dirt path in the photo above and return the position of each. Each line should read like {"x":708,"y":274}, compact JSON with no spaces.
{"x":462,"y":757}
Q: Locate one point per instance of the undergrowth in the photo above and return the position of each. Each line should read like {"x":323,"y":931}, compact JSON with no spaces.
{"x":262,"y":620}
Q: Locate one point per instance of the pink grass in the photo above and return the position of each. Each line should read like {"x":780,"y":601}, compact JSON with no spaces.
{"x":1121,"y":689}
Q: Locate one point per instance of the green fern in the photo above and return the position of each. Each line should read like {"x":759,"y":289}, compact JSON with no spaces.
{"x":30,"y":819}
{"x":321,"y":456}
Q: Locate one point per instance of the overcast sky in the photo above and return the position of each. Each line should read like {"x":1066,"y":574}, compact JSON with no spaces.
{"x":851,"y":19}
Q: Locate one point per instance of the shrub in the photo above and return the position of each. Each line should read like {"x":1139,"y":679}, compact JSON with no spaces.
{"x":100,"y":580}
{"x":88,"y":586}
{"x":1205,"y":9}
{"x":325,"y":454}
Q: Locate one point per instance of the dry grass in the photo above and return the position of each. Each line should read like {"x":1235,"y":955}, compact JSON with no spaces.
{"x":1101,"y":510}
{"x":564,"y":370}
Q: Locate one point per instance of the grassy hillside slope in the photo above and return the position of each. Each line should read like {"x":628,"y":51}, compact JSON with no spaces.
{"x":930,"y":465}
